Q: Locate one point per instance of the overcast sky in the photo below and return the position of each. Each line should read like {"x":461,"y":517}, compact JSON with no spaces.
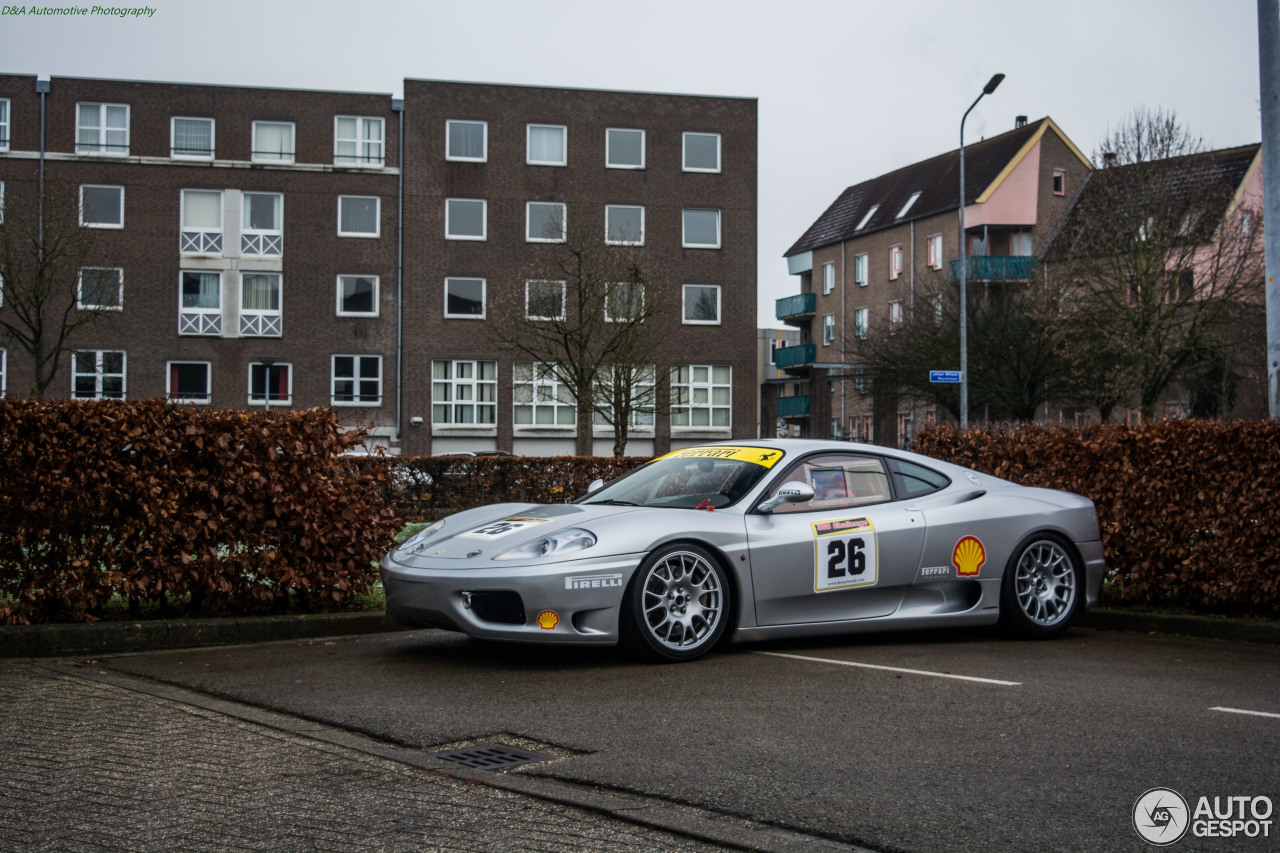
{"x":847,"y":90}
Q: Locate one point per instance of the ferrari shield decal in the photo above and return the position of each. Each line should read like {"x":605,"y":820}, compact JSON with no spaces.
{"x":499,"y":529}
{"x":763,"y":456}
{"x":844,"y":554}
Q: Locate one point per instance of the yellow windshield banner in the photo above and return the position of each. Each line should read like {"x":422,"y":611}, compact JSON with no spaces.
{"x":763,"y":456}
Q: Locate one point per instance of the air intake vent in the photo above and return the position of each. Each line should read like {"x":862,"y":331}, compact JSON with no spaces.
{"x":502,"y":606}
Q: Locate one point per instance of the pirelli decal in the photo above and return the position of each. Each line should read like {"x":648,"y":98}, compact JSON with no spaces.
{"x":844,"y":554}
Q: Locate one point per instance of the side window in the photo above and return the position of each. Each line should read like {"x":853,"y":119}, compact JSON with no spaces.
{"x":839,"y":480}
{"x":912,"y":481}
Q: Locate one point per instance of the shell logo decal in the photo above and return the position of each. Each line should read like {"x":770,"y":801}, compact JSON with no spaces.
{"x":548,"y":620}
{"x":968,"y":556}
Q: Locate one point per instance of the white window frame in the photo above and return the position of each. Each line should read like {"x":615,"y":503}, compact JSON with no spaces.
{"x":685,"y":396}
{"x":542,"y":382}
{"x":564,"y":144}
{"x":564,"y":290}
{"x":4,"y":144}
{"x":908,"y":205}
{"x":528,"y":221}
{"x":368,"y":153}
{"x":101,"y":148}
{"x":80,"y":303}
{"x":484,"y":219}
{"x":895,"y":262}
{"x":934,"y":249}
{"x":171,"y":393}
{"x":611,"y":207}
{"x":684,"y":152}
{"x":609,"y":290}
{"x":377,"y":217}
{"x":643,"y":380}
{"x":457,"y":394}
{"x":861,"y":323}
{"x":861,"y":269}
{"x":104,"y":225}
{"x":261,"y":399}
{"x":828,"y":329}
{"x":377,"y":295}
{"x":685,"y":304}
{"x":98,"y":374}
{"x":355,"y":378}
{"x":449,"y":155}
{"x":484,"y":297}
{"x":4,"y":371}
{"x":828,"y":277}
{"x":684,"y":228}
{"x":608,"y":148}
{"x":173,"y":138}
{"x":283,"y":159}
{"x":200,"y":240}
{"x":866,"y":217}
{"x":198,"y":320}
{"x":262,"y":322}
{"x":262,"y":242}
{"x":895,"y":316}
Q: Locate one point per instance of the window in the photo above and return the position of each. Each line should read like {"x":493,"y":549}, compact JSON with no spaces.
{"x":260,"y":304}
{"x":464,"y":297}
{"x":702,"y":152}
{"x":357,"y":380}
{"x":101,"y":207}
{"x":464,"y":392}
{"x":828,"y":278}
{"x":624,"y":224}
{"x":701,"y":229}
{"x":895,"y":317}
{"x":101,"y":288}
{"x":907,"y":207}
{"x":201,"y":232}
{"x":548,"y":145}
{"x":867,"y":217}
{"x":4,"y":364}
{"x":635,"y":385}
{"x":839,"y":480}
{"x":262,"y":229}
{"x":272,"y":142}
{"x":97,"y":375}
{"x":1059,"y":182}
{"x":4,"y":139}
{"x":359,"y":216}
{"x":2,"y":206}
{"x":544,"y":300}
{"x":1020,"y":243}
{"x":860,"y":277}
{"x":935,"y":251}
{"x":467,"y":141}
{"x":191,"y":138}
{"x":624,"y":149}
{"x":545,"y":222}
{"x":624,"y":302}
{"x":189,"y":382}
{"x":357,"y":141}
{"x":276,"y":381}
{"x":895,"y":261}
{"x":701,"y":395}
{"x":200,"y":303}
{"x":540,"y":399}
{"x":465,"y":219}
{"x":828,"y":329}
{"x":102,"y":129}
{"x":937,"y":310}
{"x":912,"y":480}
{"x":1246,"y":219}
{"x":702,"y":304}
{"x":357,"y":296}
{"x":860,"y":323}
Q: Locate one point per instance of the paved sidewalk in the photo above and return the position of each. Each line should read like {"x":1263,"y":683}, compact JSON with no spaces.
{"x":90,"y":765}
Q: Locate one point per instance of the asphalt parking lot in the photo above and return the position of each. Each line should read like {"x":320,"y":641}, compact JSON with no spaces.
{"x":943,"y":741}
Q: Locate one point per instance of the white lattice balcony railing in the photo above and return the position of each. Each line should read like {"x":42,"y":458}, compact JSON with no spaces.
{"x":261,"y":325}
{"x":199,"y":323}
{"x":202,"y":242}
{"x":262,"y":244}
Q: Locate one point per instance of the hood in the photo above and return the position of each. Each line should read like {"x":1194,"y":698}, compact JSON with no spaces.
{"x":485,"y":531}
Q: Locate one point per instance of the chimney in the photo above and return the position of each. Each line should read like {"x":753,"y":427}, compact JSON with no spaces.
{"x":1020,"y":121}
{"x":1108,"y":159}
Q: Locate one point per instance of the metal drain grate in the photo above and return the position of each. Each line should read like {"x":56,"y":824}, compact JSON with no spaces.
{"x":494,"y":756}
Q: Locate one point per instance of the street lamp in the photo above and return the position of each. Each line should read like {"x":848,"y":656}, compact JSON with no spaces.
{"x":266,"y":361}
{"x":964,"y":267}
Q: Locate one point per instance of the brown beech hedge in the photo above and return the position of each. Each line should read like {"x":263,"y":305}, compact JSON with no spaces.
{"x":1190,"y":509}
{"x":204,"y":511}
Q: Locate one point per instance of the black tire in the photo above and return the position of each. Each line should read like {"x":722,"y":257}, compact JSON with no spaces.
{"x":677,"y":604}
{"x":1041,"y":590}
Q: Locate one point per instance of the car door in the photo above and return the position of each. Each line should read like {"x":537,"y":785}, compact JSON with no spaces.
{"x":850,"y":553}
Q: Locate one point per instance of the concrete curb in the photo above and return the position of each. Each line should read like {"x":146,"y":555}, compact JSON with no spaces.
{"x":30,"y":641}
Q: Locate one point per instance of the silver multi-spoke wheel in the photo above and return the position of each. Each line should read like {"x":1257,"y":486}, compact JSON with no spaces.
{"x":679,"y":602}
{"x":1041,"y":588}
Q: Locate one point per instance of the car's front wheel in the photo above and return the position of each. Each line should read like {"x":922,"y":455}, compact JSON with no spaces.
{"x":677,"y":605}
{"x":1041,"y":588}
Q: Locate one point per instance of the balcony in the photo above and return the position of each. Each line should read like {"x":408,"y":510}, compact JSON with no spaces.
{"x":793,"y":407}
{"x":994,"y":268}
{"x":789,"y":358}
{"x":796,"y":309}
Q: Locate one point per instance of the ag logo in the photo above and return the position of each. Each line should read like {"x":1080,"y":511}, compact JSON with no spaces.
{"x":1161,"y":816}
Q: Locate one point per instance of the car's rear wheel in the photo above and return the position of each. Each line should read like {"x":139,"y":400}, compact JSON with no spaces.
{"x":677,"y":605}
{"x":1041,"y":588}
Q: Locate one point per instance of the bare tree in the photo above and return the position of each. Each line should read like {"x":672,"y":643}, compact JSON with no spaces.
{"x":51,"y":273}
{"x":593,"y":314}
{"x":1147,"y":134}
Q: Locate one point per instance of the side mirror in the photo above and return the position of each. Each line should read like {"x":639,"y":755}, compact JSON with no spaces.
{"x":788,"y":493}
{"x":596,"y":485}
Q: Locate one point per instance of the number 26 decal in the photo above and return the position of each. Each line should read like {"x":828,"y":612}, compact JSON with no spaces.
{"x":844,"y":554}
{"x":846,"y":557}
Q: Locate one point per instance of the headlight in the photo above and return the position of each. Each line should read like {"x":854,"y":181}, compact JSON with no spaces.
{"x":560,"y":542}
{"x":421,"y":536}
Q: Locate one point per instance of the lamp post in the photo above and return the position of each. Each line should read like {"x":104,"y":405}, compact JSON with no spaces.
{"x":266,"y":361}
{"x":964,"y":267}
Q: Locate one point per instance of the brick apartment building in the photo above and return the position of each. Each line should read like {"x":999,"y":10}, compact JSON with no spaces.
{"x":251,"y":242}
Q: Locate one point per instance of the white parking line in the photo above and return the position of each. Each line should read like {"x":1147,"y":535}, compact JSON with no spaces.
{"x":1250,"y":713}
{"x":908,"y":671}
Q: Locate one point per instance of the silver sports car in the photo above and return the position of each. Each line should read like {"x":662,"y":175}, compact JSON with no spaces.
{"x":756,"y":540}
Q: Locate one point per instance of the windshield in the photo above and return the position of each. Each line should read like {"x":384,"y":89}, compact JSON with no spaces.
{"x":694,"y":478}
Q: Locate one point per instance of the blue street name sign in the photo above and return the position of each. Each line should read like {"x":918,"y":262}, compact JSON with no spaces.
{"x":952,"y":376}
